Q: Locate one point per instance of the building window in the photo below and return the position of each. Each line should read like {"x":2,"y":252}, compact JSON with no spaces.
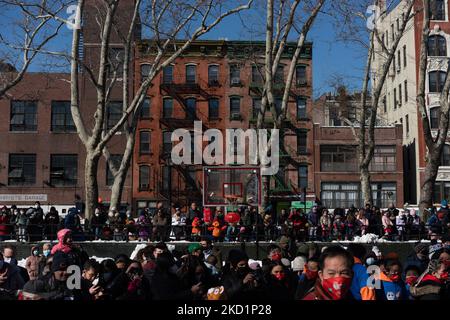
{"x":191,"y":73}
{"x":213,"y":75}
{"x":22,"y":170}
{"x":167,"y":107}
{"x":144,"y":178}
{"x":62,"y":120}
{"x":167,"y":142}
{"x":213,"y":108}
{"x":406,"y":90}
{"x":400,"y":97}
{"x":257,"y":77}
{"x":302,"y":142}
{"x":407,"y":124}
{"x":399,"y":61}
{"x":116,"y":60}
{"x":303,"y":177}
{"x":384,"y":159}
{"x":437,"y":9}
{"x":387,"y":38}
{"x":394,"y":66}
{"x":338,"y":158}
{"x":113,"y":113}
{"x":384,"y":104}
{"x":405,"y":63}
{"x":145,"y":71}
{"x":445,"y":157}
{"x":301,"y":108}
{"x":191,"y":106}
{"x":23,"y":116}
{"x":436,"y":81}
{"x":437,"y":46}
{"x":395,"y":99}
{"x":116,"y":159}
{"x":235,"y":107}
{"x":144,"y":142}
{"x":435,"y":116}
{"x":256,"y":108}
{"x":145,"y":108}
{"x":235,"y":75}
{"x":63,"y":170}
{"x":383,"y":194}
{"x":300,"y":75}
{"x":279,"y":75}
{"x":441,"y":191}
{"x":168,"y":74}
{"x":340,"y":195}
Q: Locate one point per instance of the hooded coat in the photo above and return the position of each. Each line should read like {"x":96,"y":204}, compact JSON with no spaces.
{"x":33,"y":264}
{"x":61,"y":246}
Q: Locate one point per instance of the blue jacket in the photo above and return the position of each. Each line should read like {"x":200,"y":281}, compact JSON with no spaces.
{"x":359,"y":288}
{"x":391,"y":290}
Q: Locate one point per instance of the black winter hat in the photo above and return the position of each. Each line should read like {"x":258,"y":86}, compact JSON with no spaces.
{"x":60,"y":261}
{"x":236,"y":255}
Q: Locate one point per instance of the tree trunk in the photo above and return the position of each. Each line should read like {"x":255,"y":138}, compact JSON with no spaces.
{"x":121,"y":176}
{"x":365,"y":185}
{"x":91,"y":184}
{"x":431,"y":171}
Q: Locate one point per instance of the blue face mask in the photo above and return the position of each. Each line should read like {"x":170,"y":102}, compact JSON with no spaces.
{"x":35,"y":253}
{"x":46,"y":253}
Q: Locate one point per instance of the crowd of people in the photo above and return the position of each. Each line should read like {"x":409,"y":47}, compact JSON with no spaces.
{"x":246,"y":224}
{"x":202,"y":272}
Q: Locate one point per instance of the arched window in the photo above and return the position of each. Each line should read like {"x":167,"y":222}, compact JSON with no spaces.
{"x":437,"y":46}
{"x":434,"y":117}
{"x":145,"y":71}
{"x":144,"y":178}
{"x":436,"y":81}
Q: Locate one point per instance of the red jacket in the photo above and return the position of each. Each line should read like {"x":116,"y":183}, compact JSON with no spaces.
{"x":4,"y":227}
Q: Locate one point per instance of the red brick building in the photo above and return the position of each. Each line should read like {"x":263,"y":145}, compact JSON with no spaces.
{"x":216,"y":82}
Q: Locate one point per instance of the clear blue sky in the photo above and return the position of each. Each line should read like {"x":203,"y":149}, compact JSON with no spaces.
{"x":331,"y":58}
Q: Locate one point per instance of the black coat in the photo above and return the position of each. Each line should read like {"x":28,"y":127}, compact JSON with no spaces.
{"x":278,"y":290}
{"x":304,"y":286}
{"x":236,"y":290}
{"x":167,"y":286}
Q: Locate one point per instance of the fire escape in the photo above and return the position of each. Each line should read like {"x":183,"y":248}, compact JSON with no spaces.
{"x":185,"y":184}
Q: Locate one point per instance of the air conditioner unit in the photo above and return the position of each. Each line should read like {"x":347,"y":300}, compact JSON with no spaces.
{"x":235,"y":116}
{"x":145,"y":187}
{"x":235,"y":81}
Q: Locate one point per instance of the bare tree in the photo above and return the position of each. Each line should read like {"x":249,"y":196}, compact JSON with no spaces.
{"x":434,"y":144}
{"x":363,"y":128}
{"x":167,"y":22}
{"x":284,"y":22}
{"x":25,"y":33}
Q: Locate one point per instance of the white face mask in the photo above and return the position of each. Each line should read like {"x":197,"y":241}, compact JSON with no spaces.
{"x":7,"y":259}
{"x":36,"y":206}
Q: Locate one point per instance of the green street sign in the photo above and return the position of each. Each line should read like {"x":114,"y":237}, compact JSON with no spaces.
{"x":301,"y":204}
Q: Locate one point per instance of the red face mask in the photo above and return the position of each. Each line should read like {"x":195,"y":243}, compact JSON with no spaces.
{"x":411,"y":280}
{"x":279,"y":276}
{"x":276,"y":257}
{"x":394,"y":277}
{"x":311,"y":274}
{"x":337,"y":287}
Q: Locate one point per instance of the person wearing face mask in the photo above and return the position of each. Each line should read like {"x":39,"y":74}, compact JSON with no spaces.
{"x":97,"y":223}
{"x":359,"y":288}
{"x":411,"y":276}
{"x":274,"y":253}
{"x":391,"y":286}
{"x":33,"y":263}
{"x":431,"y":284}
{"x":335,"y":275}
{"x":53,"y":286}
{"x":238,"y":280}
{"x":308,"y":278}
{"x":51,"y":224}
{"x":10,"y":278}
{"x":4,"y":224}
{"x":36,"y":223}
{"x":276,"y":283}
{"x":419,"y":258}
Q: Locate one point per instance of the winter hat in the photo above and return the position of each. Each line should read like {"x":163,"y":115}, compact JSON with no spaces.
{"x":194,"y":247}
{"x":236,"y":255}
{"x":285,"y":262}
{"x":435,"y":249}
{"x":298,"y":263}
{"x":60,"y":261}
{"x":421,"y":248}
{"x":444,"y":203}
